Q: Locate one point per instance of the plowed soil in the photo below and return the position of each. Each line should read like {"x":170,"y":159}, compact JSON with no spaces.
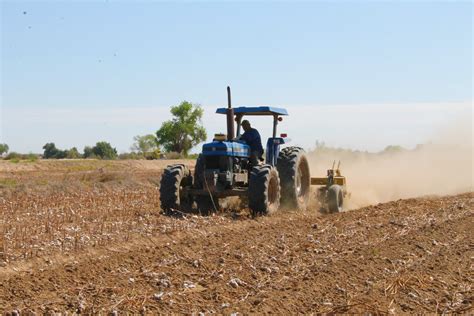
{"x":91,"y":239}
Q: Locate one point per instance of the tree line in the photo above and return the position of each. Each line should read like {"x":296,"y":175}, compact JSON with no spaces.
{"x":174,"y":139}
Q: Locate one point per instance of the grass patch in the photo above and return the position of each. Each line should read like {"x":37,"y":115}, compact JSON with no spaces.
{"x":80,"y":167}
{"x":8,"y":183}
{"x":102,"y":177}
{"x":42,"y":182}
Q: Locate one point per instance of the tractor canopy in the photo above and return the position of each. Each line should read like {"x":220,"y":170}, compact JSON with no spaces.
{"x":234,"y":147}
{"x":255,"y":110}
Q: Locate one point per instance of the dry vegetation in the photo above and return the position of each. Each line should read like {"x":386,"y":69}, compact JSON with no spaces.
{"x":87,"y":236}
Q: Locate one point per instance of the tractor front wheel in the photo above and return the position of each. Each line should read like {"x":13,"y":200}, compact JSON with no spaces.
{"x":264,"y":190}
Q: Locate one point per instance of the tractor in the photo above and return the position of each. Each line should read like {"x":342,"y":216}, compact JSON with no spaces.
{"x":224,"y":169}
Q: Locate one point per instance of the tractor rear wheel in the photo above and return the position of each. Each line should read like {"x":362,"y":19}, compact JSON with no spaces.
{"x":264,"y":190}
{"x":295,"y":178}
{"x":206,"y":204}
{"x":335,"y":198}
{"x":173,"y":180}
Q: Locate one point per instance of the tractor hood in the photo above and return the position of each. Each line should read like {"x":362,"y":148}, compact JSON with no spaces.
{"x":226,"y":148}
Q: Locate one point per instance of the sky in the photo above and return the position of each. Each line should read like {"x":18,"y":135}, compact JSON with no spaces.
{"x":355,"y":74}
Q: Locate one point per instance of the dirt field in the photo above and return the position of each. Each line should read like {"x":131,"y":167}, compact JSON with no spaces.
{"x":87,"y":236}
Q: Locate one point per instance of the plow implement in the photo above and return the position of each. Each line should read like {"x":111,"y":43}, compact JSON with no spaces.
{"x":332,"y":189}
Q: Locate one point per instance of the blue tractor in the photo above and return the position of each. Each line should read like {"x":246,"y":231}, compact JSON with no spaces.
{"x":224,"y":169}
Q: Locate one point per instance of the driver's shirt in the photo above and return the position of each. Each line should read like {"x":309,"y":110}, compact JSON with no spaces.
{"x":252,"y":138}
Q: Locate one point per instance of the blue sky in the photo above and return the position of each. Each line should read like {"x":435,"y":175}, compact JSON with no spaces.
{"x":78,"y":72}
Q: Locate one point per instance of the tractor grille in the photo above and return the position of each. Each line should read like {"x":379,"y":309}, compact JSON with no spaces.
{"x":212,"y":162}
{"x":223,"y":163}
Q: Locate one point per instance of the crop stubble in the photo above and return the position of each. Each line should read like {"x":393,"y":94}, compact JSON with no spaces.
{"x":93,"y":240}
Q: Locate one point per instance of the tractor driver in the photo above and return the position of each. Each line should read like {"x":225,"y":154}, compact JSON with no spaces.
{"x":252,"y":138}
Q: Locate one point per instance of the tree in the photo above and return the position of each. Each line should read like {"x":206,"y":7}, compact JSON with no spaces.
{"x":3,"y":149}
{"x":104,"y":150}
{"x":145,"y":144}
{"x":73,"y":153}
{"x":51,"y":152}
{"x":88,"y":153}
{"x":393,"y":149}
{"x":184,"y":130}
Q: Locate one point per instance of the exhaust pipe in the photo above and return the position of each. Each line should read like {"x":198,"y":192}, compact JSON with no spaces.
{"x":230,"y":117}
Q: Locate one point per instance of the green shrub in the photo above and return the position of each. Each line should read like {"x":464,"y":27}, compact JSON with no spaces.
{"x":73,"y":153}
{"x":13,"y":156}
{"x":31,"y":157}
{"x":145,"y":144}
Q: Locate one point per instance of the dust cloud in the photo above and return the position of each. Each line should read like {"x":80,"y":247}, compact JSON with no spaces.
{"x":441,"y":167}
